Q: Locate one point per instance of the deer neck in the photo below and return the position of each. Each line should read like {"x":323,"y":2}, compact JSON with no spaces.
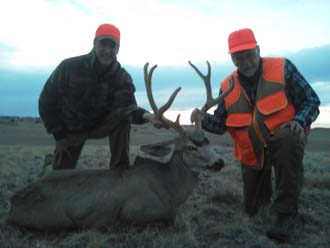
{"x":183,"y":178}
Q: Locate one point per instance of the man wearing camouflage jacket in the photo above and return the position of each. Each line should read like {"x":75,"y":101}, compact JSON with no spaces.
{"x":91,"y":96}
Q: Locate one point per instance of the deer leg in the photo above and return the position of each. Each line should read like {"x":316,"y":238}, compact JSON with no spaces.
{"x":147,"y":209}
{"x":102,"y":217}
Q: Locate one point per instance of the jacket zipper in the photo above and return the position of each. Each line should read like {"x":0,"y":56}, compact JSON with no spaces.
{"x":260,"y":136}
{"x":257,"y":129}
{"x":254,"y":120}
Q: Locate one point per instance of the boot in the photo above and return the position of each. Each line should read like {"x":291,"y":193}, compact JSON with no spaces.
{"x":283,"y":227}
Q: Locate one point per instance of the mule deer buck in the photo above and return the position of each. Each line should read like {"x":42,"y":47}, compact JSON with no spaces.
{"x":150,"y":190}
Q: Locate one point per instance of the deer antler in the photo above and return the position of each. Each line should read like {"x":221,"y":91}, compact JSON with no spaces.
{"x":159,"y":112}
{"x":210,"y":101}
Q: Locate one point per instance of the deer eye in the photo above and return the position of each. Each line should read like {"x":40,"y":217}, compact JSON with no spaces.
{"x":192,"y":148}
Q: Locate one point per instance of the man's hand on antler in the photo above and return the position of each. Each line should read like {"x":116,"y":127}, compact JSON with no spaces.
{"x":152,"y":118}
{"x":196,"y":116}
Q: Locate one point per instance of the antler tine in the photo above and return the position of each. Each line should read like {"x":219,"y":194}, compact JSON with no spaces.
{"x":207,"y":82}
{"x":159,"y":112}
{"x":210,"y":101}
{"x":147,"y":80}
{"x":206,"y":78}
{"x":169,"y":102}
{"x":223,"y":94}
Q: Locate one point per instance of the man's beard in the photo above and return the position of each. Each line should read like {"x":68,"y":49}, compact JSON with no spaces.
{"x":107,"y":60}
{"x":248,"y":71}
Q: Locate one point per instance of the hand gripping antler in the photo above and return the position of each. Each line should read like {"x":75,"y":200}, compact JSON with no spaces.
{"x":159,"y":112}
{"x":210,"y":101}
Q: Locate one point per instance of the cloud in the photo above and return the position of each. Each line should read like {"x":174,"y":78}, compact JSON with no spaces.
{"x":322,"y":85}
{"x":323,"y":91}
{"x":165,"y":32}
{"x":43,"y":32}
{"x":313,"y":63}
{"x":7,"y":52}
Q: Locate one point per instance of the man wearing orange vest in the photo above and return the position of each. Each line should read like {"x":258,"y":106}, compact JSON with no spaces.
{"x":268,"y":114}
{"x":91,"y":96}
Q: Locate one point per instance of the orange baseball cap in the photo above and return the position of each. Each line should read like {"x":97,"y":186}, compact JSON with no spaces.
{"x":241,"y":40}
{"x":108,"y":31}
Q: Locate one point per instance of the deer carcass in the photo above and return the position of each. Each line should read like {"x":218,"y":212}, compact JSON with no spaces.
{"x":152,"y":189}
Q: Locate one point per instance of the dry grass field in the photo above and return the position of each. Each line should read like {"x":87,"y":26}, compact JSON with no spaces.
{"x":211,"y":217}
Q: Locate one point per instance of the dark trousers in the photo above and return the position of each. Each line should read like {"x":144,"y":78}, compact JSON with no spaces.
{"x":118,"y":132}
{"x":285,"y":154}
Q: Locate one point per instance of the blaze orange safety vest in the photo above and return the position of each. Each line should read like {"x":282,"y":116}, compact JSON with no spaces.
{"x":251,"y":126}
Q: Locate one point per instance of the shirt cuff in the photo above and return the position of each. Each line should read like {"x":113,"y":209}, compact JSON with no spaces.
{"x":138,"y":116}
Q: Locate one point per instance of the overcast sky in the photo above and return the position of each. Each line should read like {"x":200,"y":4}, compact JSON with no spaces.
{"x":41,"y":33}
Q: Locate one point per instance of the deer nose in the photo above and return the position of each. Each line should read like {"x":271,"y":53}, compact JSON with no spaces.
{"x":216,"y":166}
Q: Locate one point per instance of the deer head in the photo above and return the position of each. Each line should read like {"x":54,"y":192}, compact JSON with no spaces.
{"x":193,"y":145}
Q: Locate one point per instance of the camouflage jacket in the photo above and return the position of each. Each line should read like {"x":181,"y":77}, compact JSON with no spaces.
{"x":76,"y":98}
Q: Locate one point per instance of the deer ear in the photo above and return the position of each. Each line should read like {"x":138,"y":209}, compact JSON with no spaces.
{"x":160,"y":152}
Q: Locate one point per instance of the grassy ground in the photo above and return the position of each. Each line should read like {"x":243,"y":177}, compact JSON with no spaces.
{"x":211,"y":217}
